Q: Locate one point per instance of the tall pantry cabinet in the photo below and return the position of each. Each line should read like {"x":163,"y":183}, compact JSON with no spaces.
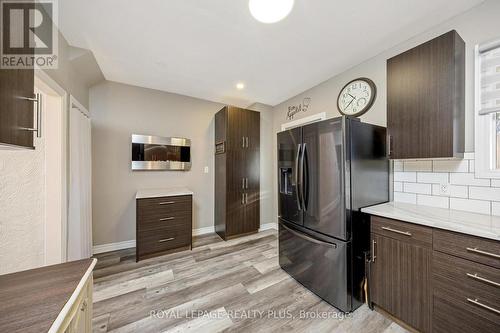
{"x":237,"y":172}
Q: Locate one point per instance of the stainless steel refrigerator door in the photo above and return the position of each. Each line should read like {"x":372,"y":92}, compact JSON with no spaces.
{"x":324,"y":181}
{"x":289,"y":189}
{"x":320,"y":266}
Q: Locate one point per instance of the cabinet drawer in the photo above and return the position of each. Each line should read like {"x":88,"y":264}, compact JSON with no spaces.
{"x":164,"y":205}
{"x":477,"y":249}
{"x":164,"y":218}
{"x":406,"y":232}
{"x":453,"y":312}
{"x":467,"y":278}
{"x":176,"y":221}
{"x":168,"y":238}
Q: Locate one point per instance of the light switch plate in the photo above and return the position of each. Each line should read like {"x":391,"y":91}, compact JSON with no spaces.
{"x":206,"y":169}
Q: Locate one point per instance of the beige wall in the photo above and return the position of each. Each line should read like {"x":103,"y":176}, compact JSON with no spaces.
{"x":268,"y":192}
{"x":475,"y":26}
{"x":119,"y":110}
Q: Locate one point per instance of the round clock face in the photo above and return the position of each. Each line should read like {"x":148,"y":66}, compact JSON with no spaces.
{"x":356,"y":97}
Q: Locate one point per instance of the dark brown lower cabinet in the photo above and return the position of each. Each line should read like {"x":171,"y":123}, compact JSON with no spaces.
{"x":435,"y":280}
{"x":400,"y":280}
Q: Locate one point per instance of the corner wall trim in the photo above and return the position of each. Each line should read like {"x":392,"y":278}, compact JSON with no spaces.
{"x":96,"y":249}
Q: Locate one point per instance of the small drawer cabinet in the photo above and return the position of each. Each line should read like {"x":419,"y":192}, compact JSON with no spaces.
{"x":164,"y":225}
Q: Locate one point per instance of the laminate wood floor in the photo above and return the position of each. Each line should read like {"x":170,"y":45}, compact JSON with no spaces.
{"x":233,"y":286}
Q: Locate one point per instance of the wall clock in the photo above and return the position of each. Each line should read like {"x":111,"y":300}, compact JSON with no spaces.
{"x":357,"y":97}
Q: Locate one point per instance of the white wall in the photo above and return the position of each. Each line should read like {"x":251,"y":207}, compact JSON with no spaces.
{"x":22,"y":208}
{"x":475,"y":26}
{"x":119,"y":110}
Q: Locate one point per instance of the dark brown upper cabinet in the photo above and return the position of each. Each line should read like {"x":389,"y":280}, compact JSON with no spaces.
{"x":17,"y":105}
{"x":426,"y":100}
{"x":237,"y":172}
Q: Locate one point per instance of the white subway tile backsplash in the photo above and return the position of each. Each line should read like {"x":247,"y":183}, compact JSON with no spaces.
{"x":484,"y":193}
{"x":451,"y":166}
{"x":398,"y":166}
{"x":468,"y":179}
{"x":417,"y":188}
{"x":405,"y":176}
{"x":417,"y":165}
{"x":457,"y":191}
{"x":433,"y":178}
{"x":433,"y":201}
{"x":405,"y":197}
{"x":475,"y":206}
{"x":446,"y":183}
{"x":495,"y":208}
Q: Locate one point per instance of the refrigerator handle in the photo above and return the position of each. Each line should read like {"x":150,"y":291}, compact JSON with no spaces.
{"x":297,"y":178}
{"x":307,"y":237}
{"x":305,"y":177}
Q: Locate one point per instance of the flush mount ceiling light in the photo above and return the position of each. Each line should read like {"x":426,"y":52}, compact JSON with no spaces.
{"x":270,"y":11}
{"x":240,"y":86}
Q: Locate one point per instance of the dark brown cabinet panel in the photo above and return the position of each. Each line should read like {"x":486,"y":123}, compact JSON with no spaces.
{"x":16,"y":112}
{"x":426,"y":99}
{"x":163,"y":225}
{"x":237,"y":172}
{"x":400,"y":280}
{"x":435,"y":280}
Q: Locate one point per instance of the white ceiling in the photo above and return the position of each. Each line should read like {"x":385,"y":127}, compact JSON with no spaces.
{"x":202,"y":48}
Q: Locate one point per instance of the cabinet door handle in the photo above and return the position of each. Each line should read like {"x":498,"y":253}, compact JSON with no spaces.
{"x":406,"y":233}
{"x":167,"y":218}
{"x":242,"y":142}
{"x":390,"y":145}
{"x":374,"y":255}
{"x":243,"y":183}
{"x":166,"y":203}
{"x":247,"y":141}
{"x":242,"y":198}
{"x":481,"y":305}
{"x":166,"y":240}
{"x":246,"y":183}
{"x":38,"y":128}
{"x":84,"y":305}
{"x":246,"y":198}
{"x":477,"y":277}
{"x":489,"y":254}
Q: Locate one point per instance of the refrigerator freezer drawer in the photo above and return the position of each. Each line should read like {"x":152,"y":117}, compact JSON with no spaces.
{"x":319,"y":266}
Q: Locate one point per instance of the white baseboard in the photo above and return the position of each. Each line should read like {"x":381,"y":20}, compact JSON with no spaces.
{"x":203,"y":231}
{"x":113,"y":246}
{"x":268,"y":226}
{"x":96,"y":249}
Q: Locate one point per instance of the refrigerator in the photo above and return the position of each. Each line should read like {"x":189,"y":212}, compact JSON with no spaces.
{"x":327,"y":172}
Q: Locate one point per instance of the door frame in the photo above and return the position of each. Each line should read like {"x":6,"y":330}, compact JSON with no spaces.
{"x":41,"y":77}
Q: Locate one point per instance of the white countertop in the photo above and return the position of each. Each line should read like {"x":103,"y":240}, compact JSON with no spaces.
{"x":454,"y":220}
{"x":163,"y":192}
